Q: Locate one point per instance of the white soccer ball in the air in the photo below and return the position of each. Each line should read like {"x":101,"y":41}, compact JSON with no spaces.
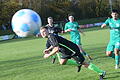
{"x":26,"y":22}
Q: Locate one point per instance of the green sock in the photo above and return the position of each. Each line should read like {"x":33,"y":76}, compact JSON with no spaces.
{"x":72,"y":62}
{"x":95,"y":68}
{"x":58,"y":56}
{"x":53,"y":56}
{"x":117,"y":60}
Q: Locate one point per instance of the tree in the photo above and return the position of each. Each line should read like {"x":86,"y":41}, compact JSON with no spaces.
{"x":7,"y":11}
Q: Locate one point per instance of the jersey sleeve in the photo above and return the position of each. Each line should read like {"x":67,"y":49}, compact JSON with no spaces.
{"x":107,"y":22}
{"x":53,"y":40}
{"x":66,"y":26}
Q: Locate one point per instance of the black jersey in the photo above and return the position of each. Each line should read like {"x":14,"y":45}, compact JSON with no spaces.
{"x":56,"y":40}
{"x":67,"y":48}
{"x":53,"y":29}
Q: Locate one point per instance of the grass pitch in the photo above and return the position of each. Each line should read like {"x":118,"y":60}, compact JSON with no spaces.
{"x":22,"y":59}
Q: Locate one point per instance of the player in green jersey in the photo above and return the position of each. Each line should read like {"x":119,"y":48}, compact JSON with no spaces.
{"x":74,"y":29}
{"x":114,"y":43}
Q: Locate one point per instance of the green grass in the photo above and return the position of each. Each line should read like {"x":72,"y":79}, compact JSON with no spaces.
{"x":22,"y":59}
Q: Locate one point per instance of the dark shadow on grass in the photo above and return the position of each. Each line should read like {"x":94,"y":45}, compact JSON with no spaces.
{"x":11,"y":64}
{"x":113,"y":77}
{"x":22,"y":66}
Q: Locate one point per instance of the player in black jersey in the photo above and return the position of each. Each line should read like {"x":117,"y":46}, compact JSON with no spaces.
{"x":52,"y":28}
{"x":68,"y":50}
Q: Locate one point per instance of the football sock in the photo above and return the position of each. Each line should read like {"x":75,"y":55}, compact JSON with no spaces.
{"x":72,"y":62}
{"x":53,"y":56}
{"x":95,"y":68}
{"x":58,"y":55}
{"x":117,"y":60}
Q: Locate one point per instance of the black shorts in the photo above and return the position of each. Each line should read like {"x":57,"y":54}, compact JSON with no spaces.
{"x":67,"y":54}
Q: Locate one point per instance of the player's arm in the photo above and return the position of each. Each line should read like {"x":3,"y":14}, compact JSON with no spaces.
{"x":81,"y":31}
{"x":66,"y":29}
{"x":103,"y":25}
{"x":49,"y":48}
{"x":54,"y":51}
{"x":46,"y":51}
{"x":106,"y":23}
{"x":55,"y":45}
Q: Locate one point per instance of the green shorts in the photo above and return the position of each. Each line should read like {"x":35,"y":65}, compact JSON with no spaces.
{"x":76,"y":41}
{"x":112,"y":46}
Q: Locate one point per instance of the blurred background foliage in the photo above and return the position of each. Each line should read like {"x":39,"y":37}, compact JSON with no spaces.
{"x":58,"y":9}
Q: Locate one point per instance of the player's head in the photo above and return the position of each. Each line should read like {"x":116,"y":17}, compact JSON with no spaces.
{"x":44,"y":32}
{"x":71,"y":18}
{"x":114,"y":14}
{"x":50,"y":20}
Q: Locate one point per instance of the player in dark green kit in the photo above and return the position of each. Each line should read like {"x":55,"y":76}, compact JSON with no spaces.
{"x":74,"y":29}
{"x":52,"y":29}
{"x":68,"y":50}
{"x":114,"y":43}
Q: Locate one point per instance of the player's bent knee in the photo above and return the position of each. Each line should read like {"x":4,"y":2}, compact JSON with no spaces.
{"x":108,"y":53}
{"x":62,"y":63}
{"x":85,"y":64}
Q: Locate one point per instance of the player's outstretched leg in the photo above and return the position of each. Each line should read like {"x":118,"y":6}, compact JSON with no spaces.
{"x":69,"y":62}
{"x":96,"y":69}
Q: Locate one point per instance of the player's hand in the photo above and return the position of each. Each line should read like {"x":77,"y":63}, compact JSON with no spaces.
{"x":68,"y":30}
{"x":46,"y":51}
{"x":46,"y":56}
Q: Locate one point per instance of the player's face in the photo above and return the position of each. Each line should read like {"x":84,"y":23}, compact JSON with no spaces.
{"x":44,"y":33}
{"x":71,"y":18}
{"x":114,"y":15}
{"x":50,"y":21}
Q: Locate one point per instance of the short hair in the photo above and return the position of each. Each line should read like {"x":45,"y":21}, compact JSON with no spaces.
{"x":115,"y":11}
{"x":49,"y":18}
{"x":71,"y":16}
{"x":43,"y":27}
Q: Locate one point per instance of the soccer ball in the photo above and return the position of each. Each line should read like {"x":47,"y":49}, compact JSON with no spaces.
{"x":26,"y":22}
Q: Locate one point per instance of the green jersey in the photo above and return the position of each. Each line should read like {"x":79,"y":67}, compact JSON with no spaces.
{"x":74,"y":34}
{"x":114,"y":29}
